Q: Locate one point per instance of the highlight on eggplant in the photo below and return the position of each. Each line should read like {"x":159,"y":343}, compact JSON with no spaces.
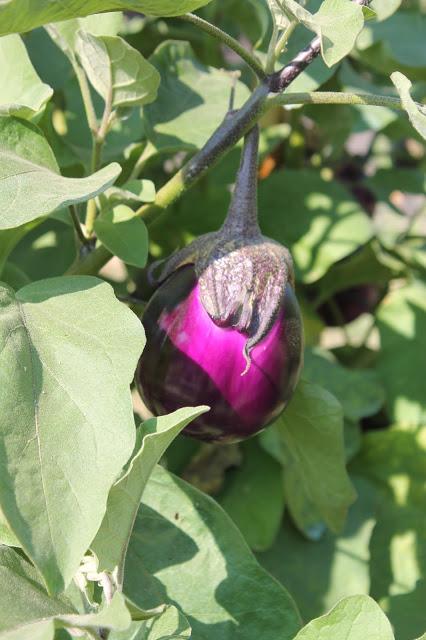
{"x":224,"y":327}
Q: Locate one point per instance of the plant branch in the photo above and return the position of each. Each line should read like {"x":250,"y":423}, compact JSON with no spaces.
{"x":229,"y":41}
{"x":335,"y":97}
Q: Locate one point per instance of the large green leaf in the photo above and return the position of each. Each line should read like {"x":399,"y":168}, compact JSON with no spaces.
{"x":23,"y":15}
{"x":155,"y":435}
{"x":308,"y":441}
{"x":416,"y":114}
{"x":254,"y":496}
{"x":31,"y":184}
{"x":204,"y":566}
{"x":68,"y":353}
{"x":359,"y":391}
{"x":401,"y":319}
{"x":354,"y":618}
{"x":318,"y":220}
{"x":23,"y":93}
{"x":200,"y":95}
{"x":116,"y":69}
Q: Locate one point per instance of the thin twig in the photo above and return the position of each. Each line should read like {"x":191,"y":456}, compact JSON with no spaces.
{"x":77,"y":225}
{"x":229,"y":41}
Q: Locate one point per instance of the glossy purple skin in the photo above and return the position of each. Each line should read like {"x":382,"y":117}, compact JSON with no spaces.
{"x":189,"y":360}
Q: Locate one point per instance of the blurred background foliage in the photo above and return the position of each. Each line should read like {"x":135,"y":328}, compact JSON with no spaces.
{"x":343,"y":187}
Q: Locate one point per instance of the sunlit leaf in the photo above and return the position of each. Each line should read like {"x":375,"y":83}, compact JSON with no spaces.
{"x":68,"y":343}
{"x":201,"y":547}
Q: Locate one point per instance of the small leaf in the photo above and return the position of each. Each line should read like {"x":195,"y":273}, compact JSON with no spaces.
{"x":124,"y":234}
{"x":68,"y":350}
{"x":23,"y":93}
{"x":114,"y":67}
{"x":31,"y":184}
{"x":354,"y":618}
{"x":110,"y":544}
{"x":203,"y":559}
{"x":416,"y":114}
{"x":308,"y":440}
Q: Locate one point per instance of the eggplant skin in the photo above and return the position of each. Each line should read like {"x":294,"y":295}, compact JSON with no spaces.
{"x":190,"y":360}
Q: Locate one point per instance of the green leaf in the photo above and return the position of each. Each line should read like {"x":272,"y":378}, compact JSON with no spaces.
{"x":31,"y":184}
{"x":110,"y":544}
{"x":360,"y":392}
{"x":64,"y":34}
{"x":337,"y":22}
{"x":171,"y":625}
{"x":385,"y":8}
{"x":68,"y":353}
{"x":308,"y":441}
{"x":200,"y":95}
{"x":278,"y":15}
{"x":44,"y":630}
{"x":204,"y":566}
{"x":354,"y":618}
{"x":254,"y":497}
{"x":397,"y":41}
{"x":326,"y":223}
{"x":124,"y":233}
{"x":23,"y":15}
{"x":116,"y":69}
{"x":133,"y":191}
{"x":338,"y":565}
{"x":23,"y":93}
{"x":7,"y":537}
{"x":401,"y":319}
{"x":416,"y":114}
{"x":393,"y":461}
{"x":23,"y":599}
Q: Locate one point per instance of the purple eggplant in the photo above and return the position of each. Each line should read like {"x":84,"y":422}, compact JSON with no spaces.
{"x":224,"y":327}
